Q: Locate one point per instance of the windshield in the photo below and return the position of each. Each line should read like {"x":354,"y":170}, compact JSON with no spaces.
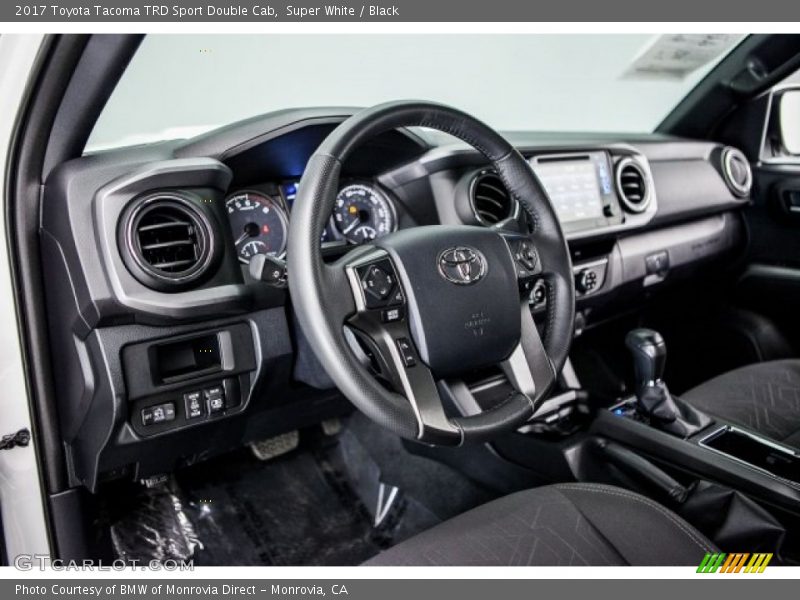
{"x":178,"y":86}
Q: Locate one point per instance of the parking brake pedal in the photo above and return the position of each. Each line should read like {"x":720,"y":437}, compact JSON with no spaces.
{"x":275,"y":446}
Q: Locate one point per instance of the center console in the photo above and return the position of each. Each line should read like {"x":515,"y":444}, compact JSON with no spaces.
{"x":722,"y":452}
{"x":657,"y":444}
{"x":668,"y":431}
{"x":755,"y":451}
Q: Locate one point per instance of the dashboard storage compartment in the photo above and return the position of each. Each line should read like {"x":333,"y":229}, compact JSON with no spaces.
{"x":755,"y":451}
{"x":154,"y":365}
{"x":186,"y":358}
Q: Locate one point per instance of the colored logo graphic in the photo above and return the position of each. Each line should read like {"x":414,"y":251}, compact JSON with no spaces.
{"x":742,"y":562}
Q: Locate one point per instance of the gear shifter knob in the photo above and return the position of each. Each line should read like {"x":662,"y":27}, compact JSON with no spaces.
{"x":649,"y":356}
{"x":653,"y":399}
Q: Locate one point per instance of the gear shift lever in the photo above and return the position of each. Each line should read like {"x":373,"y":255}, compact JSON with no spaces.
{"x":649,"y":358}
{"x":649,"y":355}
{"x":652,"y":396}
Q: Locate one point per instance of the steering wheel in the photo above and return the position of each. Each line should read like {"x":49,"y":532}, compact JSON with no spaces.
{"x":431,"y":302}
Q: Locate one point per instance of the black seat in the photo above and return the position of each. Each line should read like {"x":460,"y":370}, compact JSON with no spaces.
{"x":763,"y":397}
{"x":559,"y":525}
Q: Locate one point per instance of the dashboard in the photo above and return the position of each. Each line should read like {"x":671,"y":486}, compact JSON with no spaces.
{"x":591,"y":191}
{"x":169,"y":351}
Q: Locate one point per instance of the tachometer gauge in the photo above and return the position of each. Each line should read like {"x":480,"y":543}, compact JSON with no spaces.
{"x":258,"y":223}
{"x":363,"y":213}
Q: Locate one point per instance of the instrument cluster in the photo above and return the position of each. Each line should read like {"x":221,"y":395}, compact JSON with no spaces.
{"x":259,"y":218}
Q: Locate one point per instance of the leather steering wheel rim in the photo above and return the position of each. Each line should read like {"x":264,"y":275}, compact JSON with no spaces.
{"x":322,"y":294}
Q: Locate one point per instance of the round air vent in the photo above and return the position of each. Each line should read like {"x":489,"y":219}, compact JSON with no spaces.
{"x":490,"y":200}
{"x":632,"y":185}
{"x":736,"y":171}
{"x":168,"y":241}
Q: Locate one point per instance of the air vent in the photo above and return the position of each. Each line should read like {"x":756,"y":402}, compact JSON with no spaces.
{"x":736,"y":171}
{"x":632,"y":186}
{"x":169,"y":240}
{"x":489,"y":199}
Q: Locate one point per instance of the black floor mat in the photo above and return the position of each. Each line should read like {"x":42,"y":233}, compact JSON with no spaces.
{"x":443,"y":491}
{"x":314,"y":506}
{"x":294,"y":510}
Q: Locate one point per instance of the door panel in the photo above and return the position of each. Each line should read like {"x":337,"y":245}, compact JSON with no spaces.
{"x":770,"y":284}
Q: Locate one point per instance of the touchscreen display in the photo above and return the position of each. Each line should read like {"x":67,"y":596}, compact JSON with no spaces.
{"x":577,"y":185}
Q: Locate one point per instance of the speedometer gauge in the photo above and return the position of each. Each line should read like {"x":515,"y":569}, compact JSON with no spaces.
{"x":363,"y":213}
{"x":258,"y":223}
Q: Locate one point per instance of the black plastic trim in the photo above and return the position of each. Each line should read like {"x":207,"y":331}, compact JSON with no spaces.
{"x":102,"y":288}
{"x":34,"y":132}
{"x":210,"y":247}
{"x":237,"y":138}
{"x":689,"y":456}
{"x":91,"y":84}
{"x":756,"y":64}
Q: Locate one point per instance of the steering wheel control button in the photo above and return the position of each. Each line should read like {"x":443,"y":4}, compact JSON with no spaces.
{"x":397,"y":297}
{"x":195,"y":407}
{"x":539,"y":294}
{"x":526,"y":260}
{"x":390,"y":315}
{"x":406,"y":352}
{"x":526,"y":255}
{"x":377,"y":282}
{"x":161,"y":413}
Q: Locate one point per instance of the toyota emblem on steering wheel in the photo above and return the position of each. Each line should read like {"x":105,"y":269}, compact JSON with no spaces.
{"x":462,"y":265}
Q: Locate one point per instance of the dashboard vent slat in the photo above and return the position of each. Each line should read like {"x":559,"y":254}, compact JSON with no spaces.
{"x":490,"y":200}
{"x":632,"y":186}
{"x":167,"y":225}
{"x":158,"y":245}
{"x":167,"y":239}
{"x":171,"y":265}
